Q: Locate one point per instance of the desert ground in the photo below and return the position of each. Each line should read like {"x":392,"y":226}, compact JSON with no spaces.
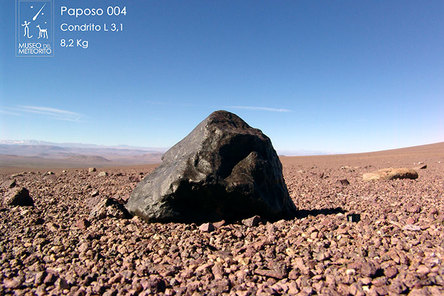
{"x":350,"y":237}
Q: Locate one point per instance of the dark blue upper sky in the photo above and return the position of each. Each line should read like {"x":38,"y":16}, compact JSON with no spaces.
{"x":334,"y":76}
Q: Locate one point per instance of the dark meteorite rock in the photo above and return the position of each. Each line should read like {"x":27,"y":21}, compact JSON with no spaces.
{"x":224,"y":169}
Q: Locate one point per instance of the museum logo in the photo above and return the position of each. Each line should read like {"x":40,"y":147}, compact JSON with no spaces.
{"x":34,"y":31}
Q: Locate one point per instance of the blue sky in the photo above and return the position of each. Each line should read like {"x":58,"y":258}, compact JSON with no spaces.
{"x":331,"y":76}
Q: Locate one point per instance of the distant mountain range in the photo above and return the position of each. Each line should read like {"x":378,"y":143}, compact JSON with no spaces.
{"x":34,"y":153}
{"x":78,"y":145}
{"x":301,"y":152}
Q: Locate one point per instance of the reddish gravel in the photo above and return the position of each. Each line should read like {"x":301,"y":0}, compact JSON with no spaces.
{"x":355,"y":237}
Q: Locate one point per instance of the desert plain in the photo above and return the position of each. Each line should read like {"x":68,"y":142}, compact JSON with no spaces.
{"x":350,"y":237}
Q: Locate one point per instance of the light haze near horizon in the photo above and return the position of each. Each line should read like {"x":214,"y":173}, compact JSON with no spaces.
{"x":349,"y":76}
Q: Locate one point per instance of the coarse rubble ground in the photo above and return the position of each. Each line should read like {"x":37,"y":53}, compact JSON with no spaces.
{"x":355,"y":237}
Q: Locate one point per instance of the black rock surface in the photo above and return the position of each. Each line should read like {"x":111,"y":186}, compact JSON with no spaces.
{"x":224,"y":169}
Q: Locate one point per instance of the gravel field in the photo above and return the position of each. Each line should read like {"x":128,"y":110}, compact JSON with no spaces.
{"x":351,"y":237}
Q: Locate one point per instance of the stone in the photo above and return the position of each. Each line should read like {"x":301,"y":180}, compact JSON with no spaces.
{"x":206,"y":227}
{"x":224,"y":169}
{"x":19,"y":197}
{"x":410,"y":220}
{"x":18,"y":175}
{"x":368,"y":269}
{"x":353,"y":217}
{"x":252,"y":222}
{"x":422,"y":269}
{"x":61,"y":284}
{"x":344,"y":182}
{"x":270,"y":273}
{"x":134,"y":179}
{"x":102,"y":174}
{"x":391,"y":272}
{"x":412,"y":208}
{"x":156,"y":284}
{"x":91,"y":170}
{"x":50,"y":279}
{"x":420,"y":291}
{"x":219,"y":224}
{"x":83,"y":224}
{"x":299,"y":263}
{"x":39,"y":277}
{"x":391,"y":174}
{"x":12,"y":283}
{"x":356,"y":289}
{"x":411,"y":227}
{"x":8,"y":184}
{"x":109,"y":207}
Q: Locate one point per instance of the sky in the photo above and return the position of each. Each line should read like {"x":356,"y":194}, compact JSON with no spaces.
{"x":325,"y":76}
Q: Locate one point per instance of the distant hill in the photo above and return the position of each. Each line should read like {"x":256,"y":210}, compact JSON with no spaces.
{"x":45,"y":154}
{"x":408,"y":157}
{"x":37,"y":154}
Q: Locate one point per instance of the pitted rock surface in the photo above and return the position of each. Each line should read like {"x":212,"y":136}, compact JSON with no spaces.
{"x":224,"y":169}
